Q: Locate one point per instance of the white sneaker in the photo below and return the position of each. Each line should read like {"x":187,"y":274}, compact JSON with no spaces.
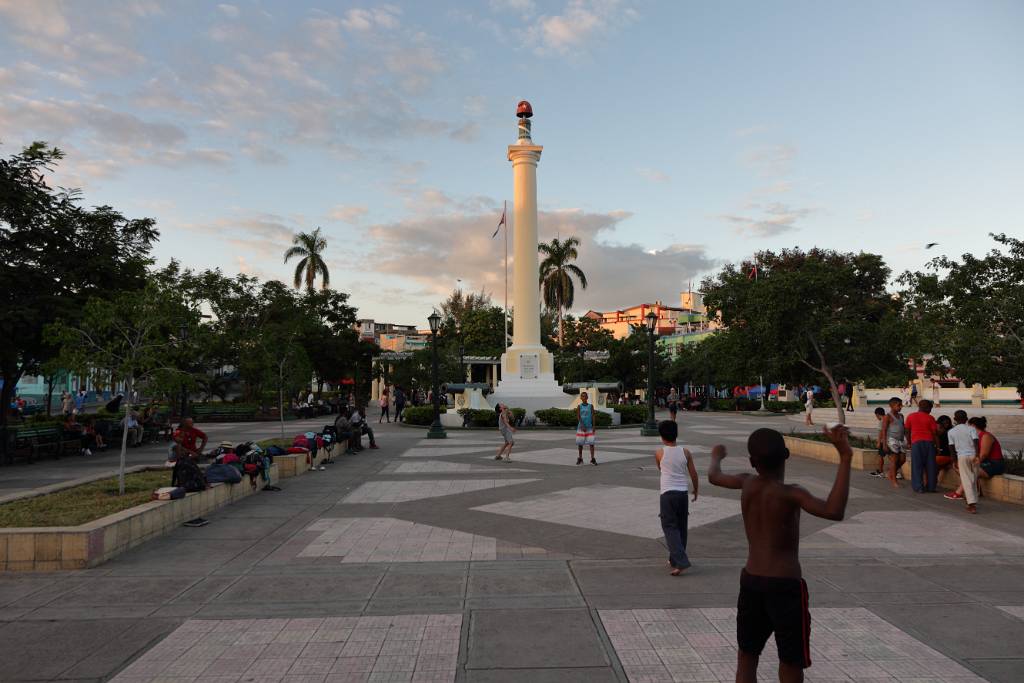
{"x":86,"y":452}
{"x":322,"y":468}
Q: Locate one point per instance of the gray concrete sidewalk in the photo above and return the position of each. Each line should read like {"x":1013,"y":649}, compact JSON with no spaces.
{"x":429,"y":561}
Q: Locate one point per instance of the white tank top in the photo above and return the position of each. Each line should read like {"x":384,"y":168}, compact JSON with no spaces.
{"x":674,"y":475}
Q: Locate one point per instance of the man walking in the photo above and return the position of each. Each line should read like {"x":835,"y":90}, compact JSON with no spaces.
{"x":923,"y":431}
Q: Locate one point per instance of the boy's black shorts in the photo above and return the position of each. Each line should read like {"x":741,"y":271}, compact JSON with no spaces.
{"x":770,"y":604}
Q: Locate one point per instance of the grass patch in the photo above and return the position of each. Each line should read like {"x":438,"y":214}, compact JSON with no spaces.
{"x":84,"y":503}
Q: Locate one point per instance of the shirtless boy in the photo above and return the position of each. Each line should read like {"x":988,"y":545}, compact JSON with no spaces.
{"x":773,"y":594}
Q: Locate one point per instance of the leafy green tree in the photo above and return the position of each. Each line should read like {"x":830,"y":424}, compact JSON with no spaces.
{"x":128,"y":337}
{"x":310,"y":246}
{"x":814,"y":315}
{"x":54,"y":257}
{"x":970,"y":312}
{"x":557,"y":272}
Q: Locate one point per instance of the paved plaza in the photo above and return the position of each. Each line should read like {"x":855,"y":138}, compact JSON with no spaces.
{"x":430,"y":561}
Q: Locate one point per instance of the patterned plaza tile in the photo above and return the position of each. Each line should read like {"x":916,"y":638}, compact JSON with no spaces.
{"x":406,"y":490}
{"x":618,"y":509}
{"x":1017,"y":611}
{"x":935,"y":533}
{"x":711,"y":652}
{"x":567,"y":456}
{"x":444,"y":467}
{"x":373,"y":638}
{"x":447,"y":450}
{"x":386,"y":539}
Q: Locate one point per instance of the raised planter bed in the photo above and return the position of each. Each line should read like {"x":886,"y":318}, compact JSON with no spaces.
{"x":1008,"y":488}
{"x":87,"y":545}
{"x":863,"y":458}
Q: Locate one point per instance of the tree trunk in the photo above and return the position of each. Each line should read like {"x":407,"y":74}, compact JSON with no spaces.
{"x":280,"y":395}
{"x":49,"y":394}
{"x":130,"y":386}
{"x":559,"y":327}
{"x":834,"y":390}
{"x":11,"y":377}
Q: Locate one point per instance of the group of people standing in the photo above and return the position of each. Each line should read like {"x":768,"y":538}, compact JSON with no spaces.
{"x":586,"y":430}
{"x":399,"y":398}
{"x":962,"y":443}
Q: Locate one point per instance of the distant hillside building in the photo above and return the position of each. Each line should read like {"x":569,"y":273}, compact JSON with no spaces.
{"x":689,"y":317}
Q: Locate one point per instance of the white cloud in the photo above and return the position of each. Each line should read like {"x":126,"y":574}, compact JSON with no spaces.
{"x":772,"y":160}
{"x":364,"y":20}
{"x":654,"y":175}
{"x":38,"y":17}
{"x":524,"y":7}
{"x":348,"y":213}
{"x":230,"y":11}
{"x":580,"y":22}
{"x":466,"y":133}
{"x":775,"y":219}
{"x":458,"y":244}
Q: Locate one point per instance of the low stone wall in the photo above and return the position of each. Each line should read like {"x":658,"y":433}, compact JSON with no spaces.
{"x":863,"y":458}
{"x":1007,"y":488}
{"x":45,"y":549}
{"x":293,"y":464}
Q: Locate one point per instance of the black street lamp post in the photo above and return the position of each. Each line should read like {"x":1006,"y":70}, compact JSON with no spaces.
{"x":650,"y":427}
{"x":436,"y":430}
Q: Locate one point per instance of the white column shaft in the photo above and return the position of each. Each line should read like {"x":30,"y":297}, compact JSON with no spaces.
{"x":526,"y":315}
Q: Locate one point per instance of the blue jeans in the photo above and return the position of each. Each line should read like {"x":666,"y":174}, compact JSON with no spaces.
{"x":922,"y":460}
{"x":675,"y":507}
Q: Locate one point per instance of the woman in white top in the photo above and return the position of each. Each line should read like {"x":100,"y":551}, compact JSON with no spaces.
{"x":676,"y":465}
{"x":809,"y":404}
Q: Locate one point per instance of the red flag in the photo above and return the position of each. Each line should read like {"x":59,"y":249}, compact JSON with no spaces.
{"x":752,"y":275}
{"x":500,"y":223}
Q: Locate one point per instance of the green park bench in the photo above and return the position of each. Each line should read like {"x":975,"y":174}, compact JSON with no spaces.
{"x":227,"y":412}
{"x":32,"y":442}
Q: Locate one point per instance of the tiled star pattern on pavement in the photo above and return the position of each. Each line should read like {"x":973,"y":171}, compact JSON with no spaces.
{"x":847,"y":644}
{"x":402,"y":491}
{"x":619,"y":509}
{"x":411,"y":647}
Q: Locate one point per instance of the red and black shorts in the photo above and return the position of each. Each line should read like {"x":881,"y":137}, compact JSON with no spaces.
{"x":770,"y":604}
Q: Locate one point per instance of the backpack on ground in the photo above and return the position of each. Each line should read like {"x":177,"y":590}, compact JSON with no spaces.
{"x":188,"y":476}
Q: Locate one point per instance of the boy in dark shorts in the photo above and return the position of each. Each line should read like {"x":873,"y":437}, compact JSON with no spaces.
{"x":773,"y":594}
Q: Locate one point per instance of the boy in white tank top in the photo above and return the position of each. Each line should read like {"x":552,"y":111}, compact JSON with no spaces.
{"x":676,"y":466}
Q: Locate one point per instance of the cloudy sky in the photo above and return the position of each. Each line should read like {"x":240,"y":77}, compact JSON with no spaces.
{"x":678,"y":135}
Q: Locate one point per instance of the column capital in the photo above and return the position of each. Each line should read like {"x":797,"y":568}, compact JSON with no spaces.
{"x":524,"y":153}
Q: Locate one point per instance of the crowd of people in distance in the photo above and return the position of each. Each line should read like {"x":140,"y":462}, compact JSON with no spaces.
{"x":935,"y":445}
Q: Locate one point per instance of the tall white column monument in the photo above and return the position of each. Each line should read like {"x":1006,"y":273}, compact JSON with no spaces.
{"x":527,"y":368}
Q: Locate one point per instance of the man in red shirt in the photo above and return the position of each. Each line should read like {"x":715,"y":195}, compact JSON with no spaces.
{"x":186,"y":435}
{"x":923,"y":431}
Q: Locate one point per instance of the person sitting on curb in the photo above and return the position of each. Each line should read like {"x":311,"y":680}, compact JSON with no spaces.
{"x":343,"y":428}
{"x":360,"y":427}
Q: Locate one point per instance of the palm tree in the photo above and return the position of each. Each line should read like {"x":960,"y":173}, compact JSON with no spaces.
{"x":556,"y":276}
{"x":310,"y":246}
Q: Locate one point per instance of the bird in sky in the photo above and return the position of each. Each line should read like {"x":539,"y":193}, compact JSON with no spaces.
{"x":930,"y":245}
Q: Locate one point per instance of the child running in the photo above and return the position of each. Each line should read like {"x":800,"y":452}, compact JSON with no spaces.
{"x":585,"y":434}
{"x":773,"y":595}
{"x":675,"y":463}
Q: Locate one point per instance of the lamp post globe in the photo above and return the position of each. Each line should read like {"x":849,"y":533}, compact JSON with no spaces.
{"x":650,"y":427}
{"x":436,"y":430}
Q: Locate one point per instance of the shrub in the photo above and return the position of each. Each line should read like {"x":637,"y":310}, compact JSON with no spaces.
{"x":418,"y":415}
{"x":562,"y":417}
{"x":632,"y":414}
{"x":481,"y":417}
{"x":785,"y":406}
{"x":1015,"y":463}
{"x":855,"y":441}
